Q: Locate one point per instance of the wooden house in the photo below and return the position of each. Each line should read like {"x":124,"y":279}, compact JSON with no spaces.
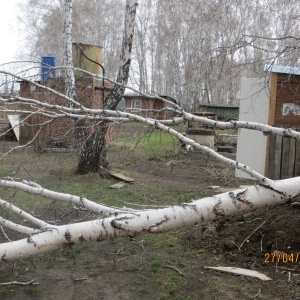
{"x":148,"y":107}
{"x":58,"y":131}
{"x":89,"y":92}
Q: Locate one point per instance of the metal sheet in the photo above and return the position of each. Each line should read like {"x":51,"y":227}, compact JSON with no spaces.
{"x":14,"y":121}
{"x":80,"y":54}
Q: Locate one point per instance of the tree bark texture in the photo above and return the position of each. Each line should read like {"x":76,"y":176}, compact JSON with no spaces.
{"x":93,"y":152}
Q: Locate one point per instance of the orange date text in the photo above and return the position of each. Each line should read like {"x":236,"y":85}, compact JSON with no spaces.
{"x":281,"y":257}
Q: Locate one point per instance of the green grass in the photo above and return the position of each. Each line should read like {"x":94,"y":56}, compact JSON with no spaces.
{"x":153,"y":142}
{"x":4,"y":172}
{"x":239,"y":287}
{"x":32,"y":290}
{"x":7,"y":290}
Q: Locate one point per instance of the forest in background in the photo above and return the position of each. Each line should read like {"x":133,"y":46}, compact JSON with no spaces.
{"x":196,"y":51}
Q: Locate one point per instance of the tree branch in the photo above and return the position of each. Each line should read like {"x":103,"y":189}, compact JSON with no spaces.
{"x":79,"y":201}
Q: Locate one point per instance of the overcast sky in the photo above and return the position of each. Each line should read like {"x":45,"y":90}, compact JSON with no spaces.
{"x":10,"y":42}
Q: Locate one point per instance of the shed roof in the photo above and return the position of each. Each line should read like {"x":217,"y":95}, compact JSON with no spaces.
{"x":282,"y":69}
{"x":220,"y":105}
{"x":145,"y":97}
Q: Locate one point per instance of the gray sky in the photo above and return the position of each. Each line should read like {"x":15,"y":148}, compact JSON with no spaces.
{"x":10,"y":42}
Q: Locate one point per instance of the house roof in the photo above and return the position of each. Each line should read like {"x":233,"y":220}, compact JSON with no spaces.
{"x":282,"y":69}
{"x":138,"y":96}
{"x":219,"y":105}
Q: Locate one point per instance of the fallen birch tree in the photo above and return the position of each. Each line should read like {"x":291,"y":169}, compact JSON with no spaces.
{"x":123,"y":222}
{"x":43,"y":237}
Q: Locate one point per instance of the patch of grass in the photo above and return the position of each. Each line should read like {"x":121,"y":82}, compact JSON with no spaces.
{"x":74,"y":251}
{"x":161,"y":240}
{"x":4,"y":172}
{"x":61,"y":170}
{"x":71,"y":264}
{"x":87,"y":264}
{"x":6,"y":290}
{"x":94,"y":274}
{"x":238,"y":287}
{"x":52,"y":258}
{"x":214,"y":288}
{"x":156,"y":265}
{"x":31,"y":290}
{"x":174,"y":248}
{"x":142,"y":290}
{"x":191,"y":253}
{"x":131,"y":269}
{"x":153,"y":142}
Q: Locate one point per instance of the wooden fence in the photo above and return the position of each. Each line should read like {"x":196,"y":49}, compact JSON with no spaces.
{"x":284,"y":157}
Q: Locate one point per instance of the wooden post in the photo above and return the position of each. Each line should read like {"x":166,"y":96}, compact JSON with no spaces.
{"x":271,"y":117}
{"x":297,"y":159}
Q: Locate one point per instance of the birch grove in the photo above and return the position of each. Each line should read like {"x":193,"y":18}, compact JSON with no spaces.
{"x":195,"y":52}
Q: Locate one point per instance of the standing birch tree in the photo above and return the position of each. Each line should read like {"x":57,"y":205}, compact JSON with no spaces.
{"x":92,"y":145}
{"x":93,"y":150}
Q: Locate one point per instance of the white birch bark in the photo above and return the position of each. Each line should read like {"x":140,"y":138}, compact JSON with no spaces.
{"x":68,"y":54}
{"x":115,"y":95}
{"x":72,"y":199}
{"x":152,"y":221}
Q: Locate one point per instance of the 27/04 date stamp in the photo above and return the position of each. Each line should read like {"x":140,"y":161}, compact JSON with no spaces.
{"x":281,"y":257}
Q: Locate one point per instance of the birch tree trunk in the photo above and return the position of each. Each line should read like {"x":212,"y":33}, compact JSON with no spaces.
{"x":93,"y":150}
{"x":80,"y":131}
{"x":68,"y":55}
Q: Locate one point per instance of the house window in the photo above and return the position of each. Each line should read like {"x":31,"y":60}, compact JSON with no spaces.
{"x":136,"y":104}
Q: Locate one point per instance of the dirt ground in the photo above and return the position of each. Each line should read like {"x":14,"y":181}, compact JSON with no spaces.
{"x":171,"y":265}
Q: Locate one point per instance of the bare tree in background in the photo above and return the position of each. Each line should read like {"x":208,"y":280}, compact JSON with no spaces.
{"x":94,"y":22}
{"x":194,"y":52}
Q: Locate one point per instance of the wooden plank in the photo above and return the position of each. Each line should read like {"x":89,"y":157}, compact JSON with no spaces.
{"x":285,"y":158}
{"x":292,"y":156}
{"x":271,"y":157}
{"x":240,"y":271}
{"x":121,"y":176}
{"x":277,"y":158}
{"x":297,"y":159}
{"x":118,"y":185}
{"x":271,"y":121}
{"x":273,"y":96}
